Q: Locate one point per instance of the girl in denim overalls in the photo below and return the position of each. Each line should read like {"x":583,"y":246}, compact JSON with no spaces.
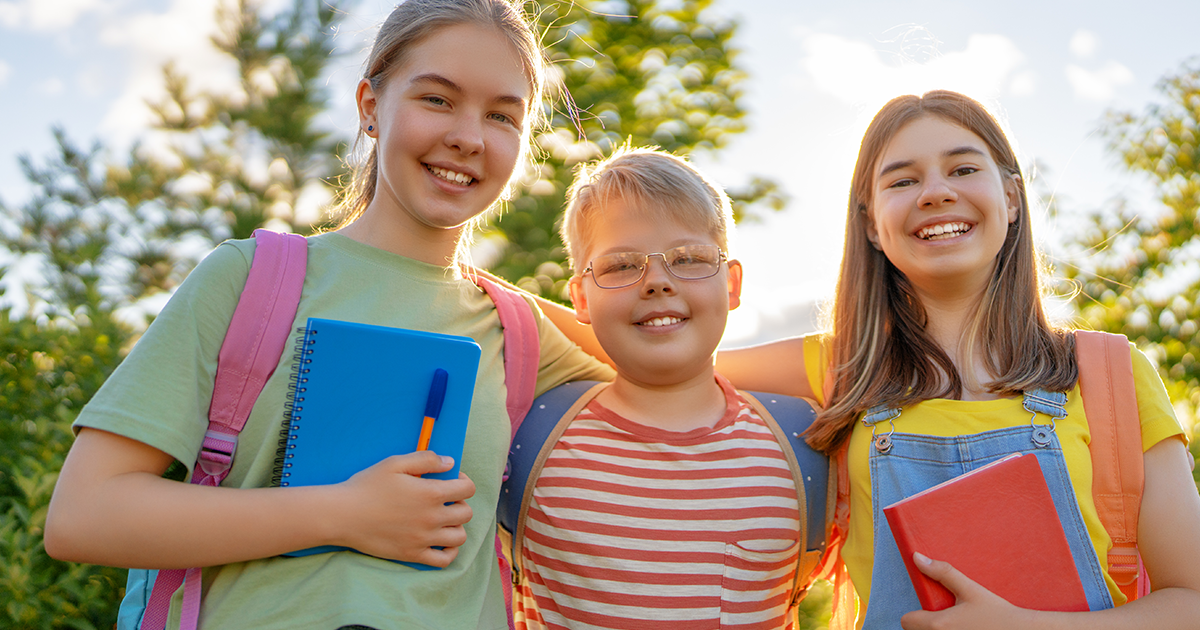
{"x":941,"y":359}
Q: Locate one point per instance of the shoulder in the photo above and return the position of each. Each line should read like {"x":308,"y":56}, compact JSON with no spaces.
{"x":227,"y":265}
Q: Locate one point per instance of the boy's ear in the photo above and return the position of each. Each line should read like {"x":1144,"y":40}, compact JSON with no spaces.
{"x":579,"y":299}
{"x":367,"y":102}
{"x":735,"y":283}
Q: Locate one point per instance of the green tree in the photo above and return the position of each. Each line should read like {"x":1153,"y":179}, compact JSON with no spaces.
{"x":1137,"y":266}
{"x":642,"y":71}
{"x":105,"y":233}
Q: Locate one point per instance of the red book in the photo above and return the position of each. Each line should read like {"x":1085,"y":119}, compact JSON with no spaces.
{"x":997,"y":524}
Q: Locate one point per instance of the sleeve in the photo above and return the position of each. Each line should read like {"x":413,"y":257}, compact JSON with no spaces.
{"x":816,"y":362}
{"x":160,"y":394}
{"x":1154,"y":405}
{"x":560,"y":360}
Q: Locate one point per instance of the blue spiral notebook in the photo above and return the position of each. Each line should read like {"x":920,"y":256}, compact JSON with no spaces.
{"x":359,"y":395}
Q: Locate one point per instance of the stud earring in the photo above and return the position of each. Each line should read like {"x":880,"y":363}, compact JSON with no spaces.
{"x":370,"y":127}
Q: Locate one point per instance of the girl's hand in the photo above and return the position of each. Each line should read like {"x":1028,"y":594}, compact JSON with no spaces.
{"x":976,"y":607}
{"x":390,"y":511}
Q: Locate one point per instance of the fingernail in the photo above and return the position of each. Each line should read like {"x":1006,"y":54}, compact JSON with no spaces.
{"x":448,"y":461}
{"x":921,"y":558}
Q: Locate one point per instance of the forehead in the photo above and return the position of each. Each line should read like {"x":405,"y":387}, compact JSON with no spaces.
{"x":475,"y":58}
{"x":930,"y":137}
{"x":634,"y":225}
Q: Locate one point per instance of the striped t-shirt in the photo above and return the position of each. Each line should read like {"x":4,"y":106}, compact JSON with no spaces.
{"x":632,"y":526}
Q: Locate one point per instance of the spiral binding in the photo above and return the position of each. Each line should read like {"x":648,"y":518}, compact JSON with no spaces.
{"x":292,"y":408}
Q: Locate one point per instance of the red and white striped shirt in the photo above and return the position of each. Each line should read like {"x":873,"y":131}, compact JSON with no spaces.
{"x":632,"y":526}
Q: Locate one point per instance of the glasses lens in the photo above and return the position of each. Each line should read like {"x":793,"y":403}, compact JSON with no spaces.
{"x":613,"y":271}
{"x":693,"y":262}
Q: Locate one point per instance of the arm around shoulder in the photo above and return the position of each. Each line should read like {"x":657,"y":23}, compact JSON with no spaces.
{"x":776,"y":366}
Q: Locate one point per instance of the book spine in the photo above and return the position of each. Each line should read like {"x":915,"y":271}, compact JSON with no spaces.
{"x":293,"y":406}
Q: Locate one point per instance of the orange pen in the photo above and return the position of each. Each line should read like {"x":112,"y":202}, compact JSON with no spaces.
{"x":433,"y":407}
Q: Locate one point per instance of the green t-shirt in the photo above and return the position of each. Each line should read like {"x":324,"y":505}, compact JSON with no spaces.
{"x":160,"y":396}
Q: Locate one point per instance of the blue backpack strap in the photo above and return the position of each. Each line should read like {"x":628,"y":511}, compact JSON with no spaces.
{"x":789,"y":417}
{"x":535,"y":438}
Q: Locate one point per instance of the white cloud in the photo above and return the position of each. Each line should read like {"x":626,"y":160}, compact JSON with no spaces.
{"x":52,"y":86}
{"x":1084,"y":43}
{"x":10,"y":14}
{"x":5,"y":70}
{"x":45,"y":15}
{"x":855,"y":71}
{"x":181,"y":35}
{"x":1098,"y":85}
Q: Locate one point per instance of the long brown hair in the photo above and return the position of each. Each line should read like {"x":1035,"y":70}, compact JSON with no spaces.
{"x":407,"y":26}
{"x":881,"y":353}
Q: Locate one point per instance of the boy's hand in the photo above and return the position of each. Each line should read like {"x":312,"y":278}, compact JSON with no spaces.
{"x":390,"y":511}
{"x":975,"y":607}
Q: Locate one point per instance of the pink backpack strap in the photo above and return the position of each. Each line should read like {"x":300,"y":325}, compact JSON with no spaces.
{"x":522,"y":347}
{"x":257,"y":335}
{"x":1118,"y":477}
{"x":522,"y":351}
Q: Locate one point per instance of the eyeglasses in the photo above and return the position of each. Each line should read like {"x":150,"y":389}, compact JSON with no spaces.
{"x":689,"y":262}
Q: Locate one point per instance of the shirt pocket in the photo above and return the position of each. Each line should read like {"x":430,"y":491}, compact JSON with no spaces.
{"x":757,"y":583}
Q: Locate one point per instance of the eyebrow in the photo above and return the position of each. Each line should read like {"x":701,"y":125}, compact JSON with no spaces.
{"x":438,"y":79}
{"x":899,"y":164}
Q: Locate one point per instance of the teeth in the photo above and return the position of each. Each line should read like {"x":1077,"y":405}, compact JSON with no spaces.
{"x":661,"y":321}
{"x":451,"y":176}
{"x":944,"y":230}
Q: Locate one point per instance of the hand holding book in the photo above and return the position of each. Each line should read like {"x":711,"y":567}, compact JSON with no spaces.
{"x":989,"y":523}
{"x":975,"y":607}
{"x":392,"y":512}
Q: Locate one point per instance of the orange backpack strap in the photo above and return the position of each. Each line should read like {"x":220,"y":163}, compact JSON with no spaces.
{"x":1110,"y":402}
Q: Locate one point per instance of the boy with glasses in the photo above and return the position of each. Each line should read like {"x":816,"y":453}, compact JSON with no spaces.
{"x":668,"y":501}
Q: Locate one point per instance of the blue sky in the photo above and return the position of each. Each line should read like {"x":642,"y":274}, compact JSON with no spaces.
{"x":818,"y":71}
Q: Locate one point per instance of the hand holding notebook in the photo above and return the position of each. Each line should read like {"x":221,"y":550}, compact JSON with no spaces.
{"x":362,"y":393}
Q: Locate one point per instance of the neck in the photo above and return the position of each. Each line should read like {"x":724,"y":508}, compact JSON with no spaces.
{"x":386,"y":230}
{"x":698,"y":402}
{"x":949,"y":318}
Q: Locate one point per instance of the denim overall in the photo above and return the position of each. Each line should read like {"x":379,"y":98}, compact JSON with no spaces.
{"x":903,"y":464}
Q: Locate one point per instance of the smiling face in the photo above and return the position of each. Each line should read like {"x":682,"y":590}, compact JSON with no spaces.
{"x":941,"y":207}
{"x":662,"y":330}
{"x":449,"y":125}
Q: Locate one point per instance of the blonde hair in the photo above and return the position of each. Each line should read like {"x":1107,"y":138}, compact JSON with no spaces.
{"x":408,"y":25}
{"x":660,"y":184}
{"x":881,"y":353}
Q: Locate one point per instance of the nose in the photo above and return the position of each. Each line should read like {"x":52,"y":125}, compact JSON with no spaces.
{"x":937,"y":191}
{"x":656,"y":280}
{"x":466,"y":135}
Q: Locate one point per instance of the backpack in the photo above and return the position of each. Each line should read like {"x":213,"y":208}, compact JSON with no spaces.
{"x":256,"y":339}
{"x":1109,"y":396}
{"x":787,"y":417}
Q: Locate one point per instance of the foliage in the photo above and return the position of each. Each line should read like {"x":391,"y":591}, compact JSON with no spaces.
{"x":641,"y":71}
{"x":1139,"y":274}
{"x":46,"y":375}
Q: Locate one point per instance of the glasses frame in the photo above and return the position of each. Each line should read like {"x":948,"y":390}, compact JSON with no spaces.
{"x":721,"y":258}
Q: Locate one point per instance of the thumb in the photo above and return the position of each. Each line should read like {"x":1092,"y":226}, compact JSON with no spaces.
{"x":943,"y":572}
{"x":420,"y":463}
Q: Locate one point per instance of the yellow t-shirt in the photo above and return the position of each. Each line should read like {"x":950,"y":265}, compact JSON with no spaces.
{"x":945,"y":418}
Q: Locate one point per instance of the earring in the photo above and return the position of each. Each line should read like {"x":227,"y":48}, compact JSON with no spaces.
{"x":370,"y":127}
